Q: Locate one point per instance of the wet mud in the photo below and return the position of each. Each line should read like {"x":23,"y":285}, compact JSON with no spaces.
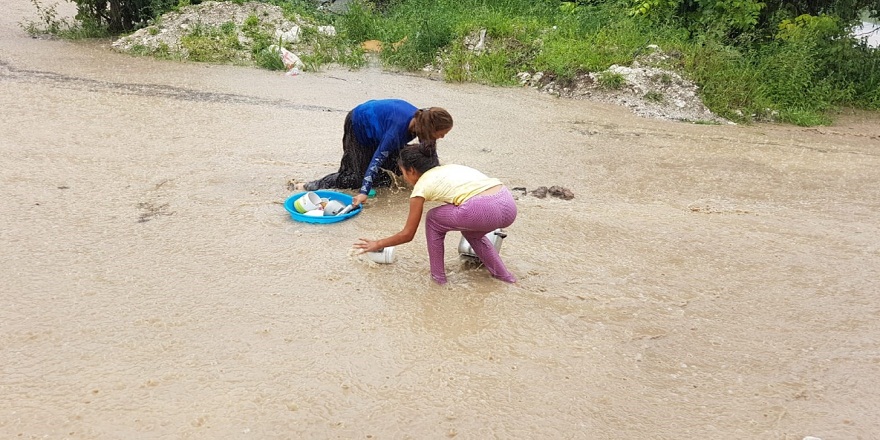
{"x":702,"y":282}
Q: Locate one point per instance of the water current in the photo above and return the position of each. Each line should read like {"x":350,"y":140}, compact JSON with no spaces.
{"x":706,"y":282}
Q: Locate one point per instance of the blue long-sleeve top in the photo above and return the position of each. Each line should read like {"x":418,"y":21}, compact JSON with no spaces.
{"x":383,"y":123}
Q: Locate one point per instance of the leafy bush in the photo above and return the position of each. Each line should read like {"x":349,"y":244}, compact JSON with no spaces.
{"x":728,"y":78}
{"x":813,"y":66}
{"x":121,"y":15}
{"x":728,"y":19}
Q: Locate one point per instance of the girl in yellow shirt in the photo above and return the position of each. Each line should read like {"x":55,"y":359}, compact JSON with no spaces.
{"x":474,"y":204}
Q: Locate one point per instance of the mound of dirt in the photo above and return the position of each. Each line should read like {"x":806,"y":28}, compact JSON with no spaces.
{"x":649,"y":88}
{"x":164,"y":36}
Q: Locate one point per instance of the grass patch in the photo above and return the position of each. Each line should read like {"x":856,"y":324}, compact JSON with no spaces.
{"x":729,"y":82}
{"x":662,"y":78}
{"x":804,"y":117}
{"x":611,"y":80}
{"x":655,"y":97}
{"x":262,"y":39}
{"x":217,"y":44}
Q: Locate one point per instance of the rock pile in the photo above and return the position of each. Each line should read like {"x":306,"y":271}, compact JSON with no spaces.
{"x":649,"y":89}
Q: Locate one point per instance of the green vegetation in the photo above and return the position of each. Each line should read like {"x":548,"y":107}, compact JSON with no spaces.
{"x":793,"y":61}
{"x":655,"y":96}
{"x":611,"y":80}
{"x":49,"y":23}
{"x":212,"y":44}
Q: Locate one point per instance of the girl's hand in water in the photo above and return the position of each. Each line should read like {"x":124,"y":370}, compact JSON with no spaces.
{"x":367,"y":245}
{"x":358,"y":199}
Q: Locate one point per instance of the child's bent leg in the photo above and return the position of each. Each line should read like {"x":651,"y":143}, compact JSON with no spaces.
{"x":488,"y":255}
{"x":328,"y":181}
{"x":474,"y":219}
{"x":436,"y":227}
{"x":485,"y":214}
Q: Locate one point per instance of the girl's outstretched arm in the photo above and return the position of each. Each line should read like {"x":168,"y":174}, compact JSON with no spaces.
{"x":416,"y":204}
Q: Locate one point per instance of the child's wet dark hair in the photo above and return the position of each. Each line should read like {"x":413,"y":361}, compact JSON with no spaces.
{"x":429,"y":121}
{"x":420,"y":157}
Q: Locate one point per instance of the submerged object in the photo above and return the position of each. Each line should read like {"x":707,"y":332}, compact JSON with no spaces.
{"x":495,"y":237}
{"x":382,"y":256}
{"x":346,"y":210}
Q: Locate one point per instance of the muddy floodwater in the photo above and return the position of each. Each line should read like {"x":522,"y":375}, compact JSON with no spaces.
{"x":705,"y":282}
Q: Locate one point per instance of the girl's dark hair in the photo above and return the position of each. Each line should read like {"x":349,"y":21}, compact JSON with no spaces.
{"x":430,"y":120}
{"x":420,"y":157}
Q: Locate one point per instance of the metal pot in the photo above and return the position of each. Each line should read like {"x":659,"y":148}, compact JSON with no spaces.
{"x":496,"y":237}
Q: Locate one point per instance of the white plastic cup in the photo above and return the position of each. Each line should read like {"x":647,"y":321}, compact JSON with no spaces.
{"x":382,"y":256}
{"x":308,"y":202}
{"x":333,"y":207}
{"x":346,"y":210}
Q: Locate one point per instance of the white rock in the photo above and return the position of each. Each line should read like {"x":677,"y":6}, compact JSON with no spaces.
{"x":481,"y":45}
{"x":290,"y":36}
{"x":329,"y":31}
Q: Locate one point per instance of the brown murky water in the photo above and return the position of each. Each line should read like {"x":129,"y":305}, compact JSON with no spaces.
{"x":707,"y":282}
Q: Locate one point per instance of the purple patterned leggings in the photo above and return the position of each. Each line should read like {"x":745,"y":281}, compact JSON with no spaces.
{"x":475,"y":218}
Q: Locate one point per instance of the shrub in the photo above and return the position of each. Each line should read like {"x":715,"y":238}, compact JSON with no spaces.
{"x":728,"y":79}
{"x":118,"y":16}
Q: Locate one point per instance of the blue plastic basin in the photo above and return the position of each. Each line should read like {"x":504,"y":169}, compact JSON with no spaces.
{"x":345,"y":199}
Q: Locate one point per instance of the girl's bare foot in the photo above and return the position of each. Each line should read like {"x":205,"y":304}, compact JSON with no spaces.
{"x":296,"y":185}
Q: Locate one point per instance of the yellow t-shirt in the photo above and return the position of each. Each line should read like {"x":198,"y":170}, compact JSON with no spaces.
{"x":452,"y":184}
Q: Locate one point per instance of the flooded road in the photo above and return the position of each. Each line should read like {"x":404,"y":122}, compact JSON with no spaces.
{"x":706,"y":282}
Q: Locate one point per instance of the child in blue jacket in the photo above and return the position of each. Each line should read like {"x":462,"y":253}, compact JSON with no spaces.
{"x":374,"y":133}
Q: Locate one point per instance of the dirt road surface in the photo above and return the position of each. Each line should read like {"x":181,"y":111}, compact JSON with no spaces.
{"x":706,"y":282}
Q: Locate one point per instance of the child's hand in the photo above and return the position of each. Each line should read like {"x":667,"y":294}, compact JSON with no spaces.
{"x":367,"y":245}
{"x":358,"y":199}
